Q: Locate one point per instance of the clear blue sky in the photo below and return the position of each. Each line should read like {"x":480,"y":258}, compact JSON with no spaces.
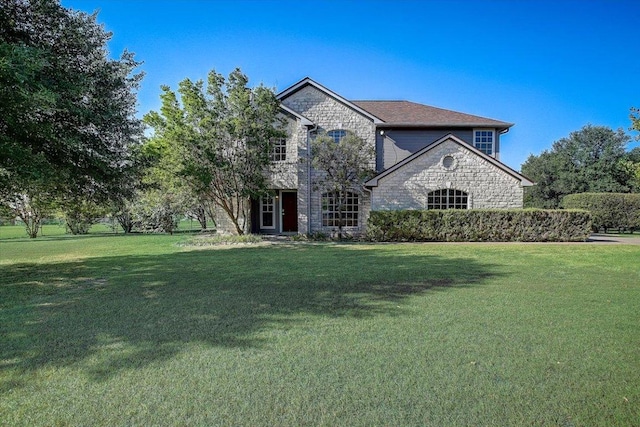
{"x":550,"y":67}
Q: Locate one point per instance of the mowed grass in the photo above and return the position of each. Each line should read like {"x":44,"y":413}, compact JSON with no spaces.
{"x":57,"y":230}
{"x":138,"y":330}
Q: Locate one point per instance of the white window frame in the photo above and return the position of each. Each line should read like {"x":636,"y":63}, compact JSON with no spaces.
{"x":450,"y":202}
{"x":337,"y":134}
{"x":263,"y":205}
{"x":281,"y":154}
{"x":493,"y":140}
{"x":351,"y":222}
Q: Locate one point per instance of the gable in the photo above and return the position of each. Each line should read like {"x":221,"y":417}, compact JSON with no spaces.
{"x":306,"y":83}
{"x":288,"y":111}
{"x":409,"y":161}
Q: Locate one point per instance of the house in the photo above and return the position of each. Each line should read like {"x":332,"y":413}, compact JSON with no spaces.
{"x":426,"y":158}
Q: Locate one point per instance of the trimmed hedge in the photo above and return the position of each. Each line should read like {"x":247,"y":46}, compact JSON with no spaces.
{"x":608,"y":210}
{"x":479,"y":225}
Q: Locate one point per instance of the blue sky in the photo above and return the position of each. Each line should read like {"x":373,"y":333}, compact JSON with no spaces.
{"x":550,"y":67}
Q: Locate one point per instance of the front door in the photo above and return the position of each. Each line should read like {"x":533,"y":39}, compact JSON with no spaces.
{"x":289,"y":211}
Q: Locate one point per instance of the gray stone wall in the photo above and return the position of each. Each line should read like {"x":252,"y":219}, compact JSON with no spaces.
{"x":224,"y":224}
{"x":283,"y":175}
{"x":328,"y":114}
{"x":487,"y":185}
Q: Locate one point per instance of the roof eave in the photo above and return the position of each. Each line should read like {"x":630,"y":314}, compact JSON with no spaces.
{"x":308,"y":81}
{"x":303,"y":119}
{"x":500,"y":126}
{"x":524,"y":181}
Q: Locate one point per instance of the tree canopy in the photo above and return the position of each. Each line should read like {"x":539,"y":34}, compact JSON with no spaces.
{"x":344,"y":166}
{"x":219,"y":139}
{"x":635,"y":120}
{"x":588,"y":160}
{"x":67,"y":116}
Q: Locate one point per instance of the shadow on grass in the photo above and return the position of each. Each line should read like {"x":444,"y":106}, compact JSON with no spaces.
{"x":116,"y":313}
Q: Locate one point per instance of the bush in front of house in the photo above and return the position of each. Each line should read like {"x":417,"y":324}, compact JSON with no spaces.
{"x":608,"y":210}
{"x":479,"y":225}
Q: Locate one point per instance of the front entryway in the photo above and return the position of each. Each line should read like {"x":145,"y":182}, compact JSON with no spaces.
{"x":289,"y":202}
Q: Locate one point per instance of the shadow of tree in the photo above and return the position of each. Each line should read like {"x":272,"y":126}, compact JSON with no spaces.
{"x":125,"y":312}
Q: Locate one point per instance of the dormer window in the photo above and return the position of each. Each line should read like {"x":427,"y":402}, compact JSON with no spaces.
{"x":484,"y":140}
{"x":337,"y":134}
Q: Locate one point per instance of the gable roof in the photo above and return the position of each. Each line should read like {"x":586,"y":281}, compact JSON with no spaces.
{"x":409,"y":114}
{"x":526,"y":182}
{"x":303,"y":119}
{"x":309,"y":82}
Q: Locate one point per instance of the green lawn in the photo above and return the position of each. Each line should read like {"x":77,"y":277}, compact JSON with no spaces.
{"x":138,"y":330}
{"x":49,"y":230}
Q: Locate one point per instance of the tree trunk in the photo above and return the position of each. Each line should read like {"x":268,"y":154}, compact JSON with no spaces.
{"x":201,"y":216}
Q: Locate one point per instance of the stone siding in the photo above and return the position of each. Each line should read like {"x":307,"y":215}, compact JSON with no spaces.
{"x":224,"y":225}
{"x":328,"y":114}
{"x":283,"y":175}
{"x":486,"y":185}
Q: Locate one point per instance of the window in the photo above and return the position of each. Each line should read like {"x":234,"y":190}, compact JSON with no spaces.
{"x":483,"y":141}
{"x":448,"y":162}
{"x":267,"y":209}
{"x":337,"y":134}
{"x":331,"y":212}
{"x":279,"y":150}
{"x":447,"y":198}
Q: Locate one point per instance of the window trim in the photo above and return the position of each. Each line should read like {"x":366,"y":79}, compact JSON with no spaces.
{"x":342,"y":133}
{"x":450,"y":203}
{"x":493,"y":141}
{"x":350,"y":222}
{"x":273,"y":212}
{"x":282,"y":144}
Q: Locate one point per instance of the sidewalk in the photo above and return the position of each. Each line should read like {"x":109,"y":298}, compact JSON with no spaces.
{"x":633,"y":239}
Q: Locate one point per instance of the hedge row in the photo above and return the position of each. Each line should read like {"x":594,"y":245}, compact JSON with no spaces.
{"x":608,"y":210}
{"x":479,"y":225}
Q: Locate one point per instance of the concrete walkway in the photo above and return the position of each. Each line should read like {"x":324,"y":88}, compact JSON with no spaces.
{"x":631,"y":239}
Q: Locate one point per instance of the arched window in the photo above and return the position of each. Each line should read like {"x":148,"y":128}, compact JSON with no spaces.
{"x":447,"y":198}
{"x":337,"y":134}
{"x":331,"y":210}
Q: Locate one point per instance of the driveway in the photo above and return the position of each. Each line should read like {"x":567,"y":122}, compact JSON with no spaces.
{"x":631,"y":239}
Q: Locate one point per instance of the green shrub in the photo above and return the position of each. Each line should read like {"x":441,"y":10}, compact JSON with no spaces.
{"x":221,"y":239}
{"x":80,"y":214}
{"x":608,"y":210}
{"x":479,"y":225}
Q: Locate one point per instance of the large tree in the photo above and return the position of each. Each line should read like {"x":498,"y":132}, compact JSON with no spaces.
{"x":589,"y":160}
{"x":67,"y":116}
{"x":343,"y":167}
{"x":221,"y":136}
{"x":635,"y":121}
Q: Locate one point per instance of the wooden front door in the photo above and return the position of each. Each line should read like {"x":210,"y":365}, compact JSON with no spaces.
{"x":289,"y":211}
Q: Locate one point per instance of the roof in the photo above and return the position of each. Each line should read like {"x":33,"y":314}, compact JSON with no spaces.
{"x":401,"y":113}
{"x":406,"y":113}
{"x":303,"y":119}
{"x":526,"y":182}
{"x":309,"y":82}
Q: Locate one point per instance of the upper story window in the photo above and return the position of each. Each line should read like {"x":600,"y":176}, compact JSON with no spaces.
{"x":279,"y":150}
{"x":337,"y":134}
{"x":484,"y":140}
{"x":447,"y":198}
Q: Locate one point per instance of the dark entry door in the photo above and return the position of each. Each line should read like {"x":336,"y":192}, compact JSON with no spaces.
{"x":289,"y":211}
